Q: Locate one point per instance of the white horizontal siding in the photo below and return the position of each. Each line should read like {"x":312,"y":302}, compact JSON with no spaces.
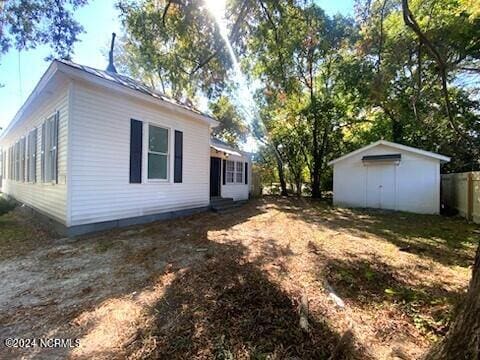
{"x":417,"y":185}
{"x":100,"y":162}
{"x":236,"y":191}
{"x":48,"y":198}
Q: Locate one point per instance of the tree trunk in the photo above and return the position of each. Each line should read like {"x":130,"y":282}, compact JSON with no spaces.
{"x":281,"y":173}
{"x":462,"y":341}
{"x":298,"y":186}
{"x":316,"y":193}
{"x":397,"y":131}
{"x":397,"y":126}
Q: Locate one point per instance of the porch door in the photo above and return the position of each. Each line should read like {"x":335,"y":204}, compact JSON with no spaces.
{"x":215,"y":172}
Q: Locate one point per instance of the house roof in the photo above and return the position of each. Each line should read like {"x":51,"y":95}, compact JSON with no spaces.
{"x":117,"y":81}
{"x":394,"y":146}
{"x":132,"y":84}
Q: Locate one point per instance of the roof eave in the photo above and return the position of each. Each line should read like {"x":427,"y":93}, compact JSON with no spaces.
{"x":227,"y":151}
{"x":44,"y":80}
{"x":440,"y":157}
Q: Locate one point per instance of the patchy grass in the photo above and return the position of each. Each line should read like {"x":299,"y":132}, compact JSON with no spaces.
{"x":103,"y":245}
{"x":18,"y":236}
{"x":234,"y":286}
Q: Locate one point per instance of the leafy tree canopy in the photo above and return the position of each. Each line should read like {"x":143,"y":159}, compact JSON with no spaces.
{"x":26,"y":24}
{"x":232,"y":128}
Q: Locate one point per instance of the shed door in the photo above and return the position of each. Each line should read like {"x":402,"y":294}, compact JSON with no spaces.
{"x":381,"y":186}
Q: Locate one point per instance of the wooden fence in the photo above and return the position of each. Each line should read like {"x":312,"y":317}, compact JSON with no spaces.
{"x":256,"y":189}
{"x":461,"y":191}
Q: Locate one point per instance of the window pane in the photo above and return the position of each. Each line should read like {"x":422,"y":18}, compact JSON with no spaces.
{"x":239,"y":177}
{"x":230,"y":165}
{"x":239,"y":166}
{"x":157,"y":166}
{"x":158,"y":139}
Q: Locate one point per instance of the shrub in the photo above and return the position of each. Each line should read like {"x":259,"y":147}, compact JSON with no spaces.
{"x":5,"y":205}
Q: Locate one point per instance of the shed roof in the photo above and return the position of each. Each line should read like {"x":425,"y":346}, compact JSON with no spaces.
{"x":395,"y":146}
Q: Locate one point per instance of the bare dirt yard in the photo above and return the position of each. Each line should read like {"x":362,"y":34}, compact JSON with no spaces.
{"x":274,"y":279}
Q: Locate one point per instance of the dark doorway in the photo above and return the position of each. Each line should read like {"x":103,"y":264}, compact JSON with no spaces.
{"x":215,"y":171}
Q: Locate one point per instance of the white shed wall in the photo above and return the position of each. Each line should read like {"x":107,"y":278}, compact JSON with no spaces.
{"x":417,"y":181}
{"x":100,"y":159}
{"x":47,"y":198}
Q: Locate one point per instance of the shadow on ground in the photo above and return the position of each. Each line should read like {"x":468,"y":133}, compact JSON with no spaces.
{"x":197,"y":287}
{"x":224,"y":307}
{"x":367,"y":283}
{"x":228,"y":309}
{"x":449,"y":241}
{"x":215,"y":304}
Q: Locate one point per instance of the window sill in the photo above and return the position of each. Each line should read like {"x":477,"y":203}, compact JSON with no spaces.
{"x":49,"y":183}
{"x":157,"y":181}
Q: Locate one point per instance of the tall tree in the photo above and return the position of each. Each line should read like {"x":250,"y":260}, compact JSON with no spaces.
{"x":301,"y":65}
{"x":463,"y":338}
{"x":407,"y":85}
{"x":180,"y":43}
{"x":232,"y":127}
{"x":26,"y":24}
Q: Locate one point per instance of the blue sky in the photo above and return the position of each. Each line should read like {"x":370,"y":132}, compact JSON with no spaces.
{"x":20,"y":72}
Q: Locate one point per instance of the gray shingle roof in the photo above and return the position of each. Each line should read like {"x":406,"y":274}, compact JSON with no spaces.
{"x":132,"y":84}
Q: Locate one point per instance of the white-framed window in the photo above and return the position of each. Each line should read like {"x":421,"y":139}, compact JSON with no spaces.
{"x":239,"y":172}
{"x":10,"y":163}
{"x":230,"y":172}
{"x":31,"y":156}
{"x":158,"y":153}
{"x":234,"y":172}
{"x":16,"y":151}
{"x":21,"y":174}
{"x":49,"y":148}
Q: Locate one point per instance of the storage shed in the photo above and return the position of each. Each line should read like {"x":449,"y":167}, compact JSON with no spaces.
{"x":387,"y":175}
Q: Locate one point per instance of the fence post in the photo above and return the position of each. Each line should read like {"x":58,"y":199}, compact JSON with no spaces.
{"x":470,"y":196}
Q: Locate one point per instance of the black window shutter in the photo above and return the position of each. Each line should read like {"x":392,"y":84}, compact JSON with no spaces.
{"x":135,"y":151}
{"x":246,"y":173}
{"x":224,"y":170}
{"x":178,"y":160}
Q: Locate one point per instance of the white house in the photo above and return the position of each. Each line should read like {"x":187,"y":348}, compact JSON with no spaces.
{"x":92,"y":150}
{"x":387,"y":175}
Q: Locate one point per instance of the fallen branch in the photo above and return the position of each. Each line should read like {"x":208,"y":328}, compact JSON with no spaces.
{"x":303,"y":312}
